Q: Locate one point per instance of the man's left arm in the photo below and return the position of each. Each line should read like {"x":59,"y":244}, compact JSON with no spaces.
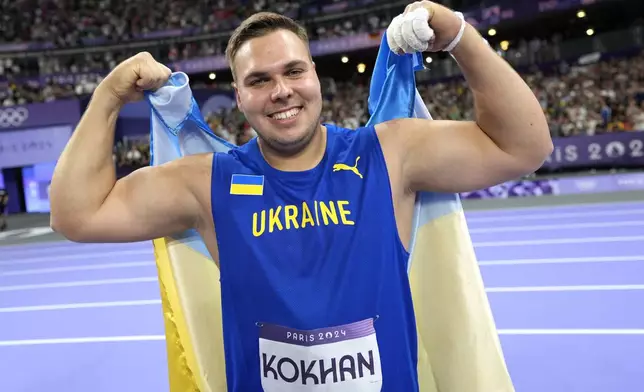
{"x":509,"y":137}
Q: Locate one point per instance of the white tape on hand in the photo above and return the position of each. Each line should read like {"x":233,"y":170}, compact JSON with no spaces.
{"x":410,"y":33}
{"x":394,"y":36}
{"x":416,"y":31}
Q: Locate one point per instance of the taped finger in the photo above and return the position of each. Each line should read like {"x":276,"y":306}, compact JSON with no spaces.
{"x":421,"y":27}
{"x":393,"y":26}
{"x":410,"y":37}
{"x":400,"y":39}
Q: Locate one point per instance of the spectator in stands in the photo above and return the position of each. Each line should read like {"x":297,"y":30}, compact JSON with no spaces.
{"x":635,"y":114}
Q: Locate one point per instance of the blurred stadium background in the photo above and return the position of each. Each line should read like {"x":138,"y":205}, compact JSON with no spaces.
{"x":584,"y":60}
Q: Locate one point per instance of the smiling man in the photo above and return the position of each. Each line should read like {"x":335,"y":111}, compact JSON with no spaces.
{"x":309,"y":223}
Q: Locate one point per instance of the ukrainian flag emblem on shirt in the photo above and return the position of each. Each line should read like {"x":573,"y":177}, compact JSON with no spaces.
{"x":244,"y":184}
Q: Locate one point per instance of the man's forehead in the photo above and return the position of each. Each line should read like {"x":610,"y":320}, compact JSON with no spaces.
{"x":268,"y":67}
{"x":270,"y":53}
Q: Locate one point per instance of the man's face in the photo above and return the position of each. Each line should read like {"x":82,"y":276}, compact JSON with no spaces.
{"x":278,"y":90}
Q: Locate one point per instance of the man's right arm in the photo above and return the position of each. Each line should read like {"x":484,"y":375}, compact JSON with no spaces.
{"x":88,"y":204}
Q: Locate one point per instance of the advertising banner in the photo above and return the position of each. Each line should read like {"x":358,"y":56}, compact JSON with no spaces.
{"x":562,"y":186}
{"x":31,"y":146}
{"x":610,"y":150}
{"x":66,"y":112}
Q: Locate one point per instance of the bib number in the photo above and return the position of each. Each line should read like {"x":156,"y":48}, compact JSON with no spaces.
{"x":337,"y":359}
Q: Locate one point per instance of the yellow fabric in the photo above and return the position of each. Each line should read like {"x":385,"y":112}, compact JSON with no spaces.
{"x":459,"y":348}
{"x":243,"y":189}
{"x":190,"y":295}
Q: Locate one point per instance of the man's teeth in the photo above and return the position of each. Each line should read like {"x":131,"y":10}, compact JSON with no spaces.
{"x":287,"y":114}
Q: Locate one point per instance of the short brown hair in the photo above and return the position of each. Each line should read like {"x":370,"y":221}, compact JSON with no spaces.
{"x":259,"y":25}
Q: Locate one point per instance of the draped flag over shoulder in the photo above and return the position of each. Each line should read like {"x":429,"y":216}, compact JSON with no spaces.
{"x":459,"y":349}
{"x":458,"y":345}
{"x":188,"y":277}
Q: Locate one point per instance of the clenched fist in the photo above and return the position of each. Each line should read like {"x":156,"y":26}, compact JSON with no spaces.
{"x":423,"y":26}
{"x":130,"y":78}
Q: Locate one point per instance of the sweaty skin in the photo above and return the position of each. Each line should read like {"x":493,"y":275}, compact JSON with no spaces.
{"x":275,"y":73}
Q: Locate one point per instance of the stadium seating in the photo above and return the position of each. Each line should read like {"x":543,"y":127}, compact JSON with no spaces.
{"x":598,"y":96}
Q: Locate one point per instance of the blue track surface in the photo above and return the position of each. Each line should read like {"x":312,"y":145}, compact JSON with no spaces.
{"x":566,"y":286}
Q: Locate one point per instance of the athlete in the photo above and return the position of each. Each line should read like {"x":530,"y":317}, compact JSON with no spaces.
{"x":309,"y":223}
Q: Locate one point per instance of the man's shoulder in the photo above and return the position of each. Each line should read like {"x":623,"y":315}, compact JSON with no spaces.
{"x":398,"y":132}
{"x":196,"y":160}
{"x":343,"y":137}
{"x":206,"y":159}
{"x":387,"y":132}
{"x":192,"y":166}
{"x":338,"y":129}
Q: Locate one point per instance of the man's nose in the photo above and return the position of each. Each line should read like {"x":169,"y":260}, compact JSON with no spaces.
{"x":282,"y":90}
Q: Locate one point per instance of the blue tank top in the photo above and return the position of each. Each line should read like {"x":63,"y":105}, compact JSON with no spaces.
{"x":314,"y":285}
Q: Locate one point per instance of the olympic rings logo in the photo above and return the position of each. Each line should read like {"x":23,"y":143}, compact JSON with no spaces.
{"x":13,"y":117}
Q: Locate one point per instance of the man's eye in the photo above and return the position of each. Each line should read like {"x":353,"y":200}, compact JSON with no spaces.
{"x":257,"y":82}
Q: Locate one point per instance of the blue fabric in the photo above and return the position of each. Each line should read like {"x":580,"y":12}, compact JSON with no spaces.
{"x":392,"y":95}
{"x":177,"y":129}
{"x":393,"y":84}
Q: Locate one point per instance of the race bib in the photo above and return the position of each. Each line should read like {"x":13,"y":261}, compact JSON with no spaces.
{"x":337,"y":359}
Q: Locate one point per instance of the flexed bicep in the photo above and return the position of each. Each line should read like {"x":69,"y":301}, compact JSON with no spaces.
{"x":448,"y":156}
{"x":151,"y":202}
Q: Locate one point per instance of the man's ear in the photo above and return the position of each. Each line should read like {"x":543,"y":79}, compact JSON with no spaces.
{"x":237,"y":99}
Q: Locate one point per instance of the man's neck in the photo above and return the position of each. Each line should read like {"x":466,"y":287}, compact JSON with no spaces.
{"x":305,"y":159}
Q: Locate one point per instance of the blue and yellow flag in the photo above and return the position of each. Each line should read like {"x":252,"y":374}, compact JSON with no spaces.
{"x":244,"y":184}
{"x":459,"y":348}
{"x":188,"y":277}
{"x":458,"y":345}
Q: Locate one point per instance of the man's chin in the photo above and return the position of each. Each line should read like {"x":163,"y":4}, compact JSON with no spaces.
{"x":287,"y":144}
